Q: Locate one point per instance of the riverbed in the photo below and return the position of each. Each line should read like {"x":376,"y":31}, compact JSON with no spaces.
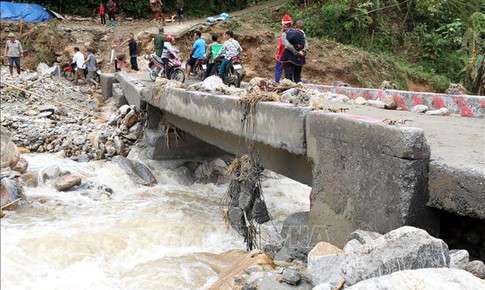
{"x":157,"y":237}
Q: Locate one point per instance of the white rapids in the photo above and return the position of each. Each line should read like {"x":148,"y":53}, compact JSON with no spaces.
{"x":142,"y":238}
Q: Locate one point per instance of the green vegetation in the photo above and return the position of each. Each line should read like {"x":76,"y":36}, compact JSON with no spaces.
{"x":440,"y":41}
{"x":141,"y":8}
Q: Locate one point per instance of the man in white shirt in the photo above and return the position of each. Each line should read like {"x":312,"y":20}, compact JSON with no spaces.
{"x":78,"y":64}
{"x":230,"y":49}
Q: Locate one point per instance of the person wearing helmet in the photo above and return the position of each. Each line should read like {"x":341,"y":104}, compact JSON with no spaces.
{"x":167,"y":50}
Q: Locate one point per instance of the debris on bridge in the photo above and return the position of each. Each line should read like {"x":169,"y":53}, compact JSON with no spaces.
{"x":243,"y":201}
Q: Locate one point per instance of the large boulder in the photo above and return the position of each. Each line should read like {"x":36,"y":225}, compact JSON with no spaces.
{"x":296,"y":238}
{"x":10,"y":190}
{"x":67,"y":181}
{"x":137,"y":171}
{"x":405,"y":248}
{"x":423,"y":279}
{"x":44,"y":70}
{"x":234,"y":265}
{"x":324,"y":264}
{"x":9,"y":153}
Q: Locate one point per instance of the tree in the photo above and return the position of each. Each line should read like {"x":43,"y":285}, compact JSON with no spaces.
{"x":472,"y":38}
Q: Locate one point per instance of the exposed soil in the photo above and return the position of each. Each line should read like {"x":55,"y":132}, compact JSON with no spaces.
{"x":327,"y":61}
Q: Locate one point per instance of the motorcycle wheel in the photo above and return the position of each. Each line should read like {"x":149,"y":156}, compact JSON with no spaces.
{"x":239,"y":78}
{"x":69,"y":75}
{"x":154,"y":72}
{"x":215,"y":70}
{"x":177,"y":74}
{"x":230,"y":78}
{"x":199,"y":72}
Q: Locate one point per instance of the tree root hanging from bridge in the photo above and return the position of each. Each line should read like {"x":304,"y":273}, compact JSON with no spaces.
{"x":243,"y":201}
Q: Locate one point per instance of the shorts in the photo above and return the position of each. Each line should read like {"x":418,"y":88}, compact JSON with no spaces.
{"x":12,"y":59}
{"x":192,"y":61}
{"x":91,"y":75}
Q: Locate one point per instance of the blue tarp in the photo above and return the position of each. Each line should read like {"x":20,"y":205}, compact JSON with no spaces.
{"x":223,"y":16}
{"x":29,"y":12}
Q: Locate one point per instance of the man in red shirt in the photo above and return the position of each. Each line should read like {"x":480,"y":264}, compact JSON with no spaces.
{"x":286,"y":22}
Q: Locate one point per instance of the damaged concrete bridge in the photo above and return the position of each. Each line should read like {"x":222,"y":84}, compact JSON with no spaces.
{"x":364,"y":173}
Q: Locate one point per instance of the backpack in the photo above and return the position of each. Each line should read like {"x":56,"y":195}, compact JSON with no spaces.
{"x":215,"y":50}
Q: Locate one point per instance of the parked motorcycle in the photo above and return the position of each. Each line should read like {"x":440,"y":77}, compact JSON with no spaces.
{"x":233,"y":74}
{"x":68,"y":71}
{"x":156,"y":68}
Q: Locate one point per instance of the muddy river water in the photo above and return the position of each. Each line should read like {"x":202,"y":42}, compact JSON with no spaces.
{"x":142,"y":238}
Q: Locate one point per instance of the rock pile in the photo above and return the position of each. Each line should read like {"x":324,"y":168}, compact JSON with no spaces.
{"x":12,"y":166}
{"x":406,"y":258}
{"x":382,"y":259}
{"x":68,"y":127}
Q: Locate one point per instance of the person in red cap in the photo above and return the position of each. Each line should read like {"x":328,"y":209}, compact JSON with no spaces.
{"x":294,"y":54}
{"x":286,"y":23}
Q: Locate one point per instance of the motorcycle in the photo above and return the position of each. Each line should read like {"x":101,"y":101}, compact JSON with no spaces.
{"x":233,"y":74}
{"x":156,"y":68}
{"x":199,"y":68}
{"x":69,"y":70}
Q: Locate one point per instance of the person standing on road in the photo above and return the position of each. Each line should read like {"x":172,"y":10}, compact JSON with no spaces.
{"x":180,"y":12}
{"x":294,"y":54}
{"x":13,"y":51}
{"x":229,"y":50}
{"x":102,"y":15}
{"x":92,"y":68}
{"x":197,"y":53}
{"x":78,"y":64}
{"x":286,"y":23}
{"x":158,"y":41}
{"x":133,"y":47}
{"x":111,"y":6}
{"x":212,"y":50}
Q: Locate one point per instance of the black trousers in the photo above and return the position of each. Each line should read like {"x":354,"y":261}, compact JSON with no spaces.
{"x":293,"y":72}
{"x":111,"y":16}
{"x":103,"y":19}
{"x":210,"y":65}
{"x":134,"y":62}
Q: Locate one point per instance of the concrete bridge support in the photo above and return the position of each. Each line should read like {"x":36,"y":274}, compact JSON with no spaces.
{"x":366,"y":175}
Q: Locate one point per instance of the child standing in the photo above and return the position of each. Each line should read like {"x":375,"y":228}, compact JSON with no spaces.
{"x":133,"y":47}
{"x":101,"y":13}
